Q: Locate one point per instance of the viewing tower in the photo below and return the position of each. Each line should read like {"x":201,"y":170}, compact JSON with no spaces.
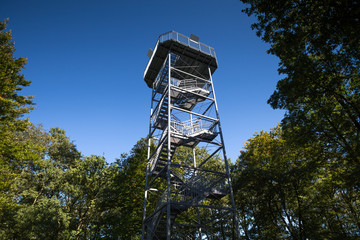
{"x":188,"y":192}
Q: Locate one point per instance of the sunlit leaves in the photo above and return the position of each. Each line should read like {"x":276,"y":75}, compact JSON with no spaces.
{"x":12,"y":105}
{"x":294,"y":192}
{"x":317,"y":43}
{"x":318,"y":46}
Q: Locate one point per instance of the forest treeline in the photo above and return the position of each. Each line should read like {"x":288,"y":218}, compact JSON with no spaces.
{"x":300,"y":180}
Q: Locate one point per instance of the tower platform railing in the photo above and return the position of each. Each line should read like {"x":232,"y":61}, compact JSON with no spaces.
{"x":172,"y":35}
{"x":191,"y":84}
{"x":204,"y":54}
{"x":193,"y":126}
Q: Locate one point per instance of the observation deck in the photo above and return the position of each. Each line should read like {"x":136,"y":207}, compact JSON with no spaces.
{"x":192,"y":52}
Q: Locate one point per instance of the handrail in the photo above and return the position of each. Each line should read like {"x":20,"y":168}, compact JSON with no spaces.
{"x":193,"y":126}
{"x":172,"y":35}
{"x":155,"y":155}
{"x":157,"y":109}
{"x":198,"y":187}
{"x":162,"y":76}
{"x":190,"y":84}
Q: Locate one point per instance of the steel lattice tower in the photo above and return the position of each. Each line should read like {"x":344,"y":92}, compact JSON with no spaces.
{"x":188,"y":192}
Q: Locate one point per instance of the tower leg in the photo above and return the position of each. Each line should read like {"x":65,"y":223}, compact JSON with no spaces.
{"x":226,"y":162}
{"x":168,"y":217}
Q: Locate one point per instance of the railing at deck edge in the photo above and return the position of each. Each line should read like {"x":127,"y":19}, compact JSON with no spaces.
{"x":184,"y":40}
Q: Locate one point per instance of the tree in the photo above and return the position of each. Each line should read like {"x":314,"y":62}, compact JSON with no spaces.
{"x":64,"y":195}
{"x":130,"y":184}
{"x":14,"y":154}
{"x":319,"y":49}
{"x":291,"y":192}
{"x":12,"y":105}
{"x":318,"y":46}
{"x":48,"y":190}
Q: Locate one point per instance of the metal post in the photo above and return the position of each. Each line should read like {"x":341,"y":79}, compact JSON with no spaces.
{"x":194,"y":158}
{"x":147,"y":166}
{"x":168,"y":217}
{"x":225,"y":160}
{"x":199,"y":220}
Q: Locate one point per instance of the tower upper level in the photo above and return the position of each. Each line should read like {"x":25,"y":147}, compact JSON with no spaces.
{"x":194,"y":52}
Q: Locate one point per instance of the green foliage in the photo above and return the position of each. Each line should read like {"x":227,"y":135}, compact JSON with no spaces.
{"x":64,"y":196}
{"x":61,"y":149}
{"x":48,"y":190}
{"x":12,"y":105}
{"x":289,"y":192}
{"x":131,"y":182}
{"x":318,"y":46}
{"x":14,"y":153}
{"x":315,"y":172}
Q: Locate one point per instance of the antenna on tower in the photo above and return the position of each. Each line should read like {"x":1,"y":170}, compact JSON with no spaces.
{"x":194,"y":38}
{"x":149,"y":53}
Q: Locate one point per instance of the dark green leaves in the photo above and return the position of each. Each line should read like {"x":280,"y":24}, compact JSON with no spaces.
{"x":291,"y":192}
{"x":12,"y":105}
{"x":318,"y":46}
{"x":317,"y":43}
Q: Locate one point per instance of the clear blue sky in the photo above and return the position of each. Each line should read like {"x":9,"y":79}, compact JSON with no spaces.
{"x":86,"y":61}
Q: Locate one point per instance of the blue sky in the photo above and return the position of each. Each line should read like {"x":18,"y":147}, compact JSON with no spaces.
{"x":86,"y":61}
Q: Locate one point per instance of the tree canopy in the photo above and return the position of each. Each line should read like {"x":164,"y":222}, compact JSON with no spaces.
{"x":48,"y":189}
{"x":12,"y":104}
{"x":283,"y":191}
{"x":317,"y":43}
{"x":14,"y":152}
{"x":301,"y":180}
